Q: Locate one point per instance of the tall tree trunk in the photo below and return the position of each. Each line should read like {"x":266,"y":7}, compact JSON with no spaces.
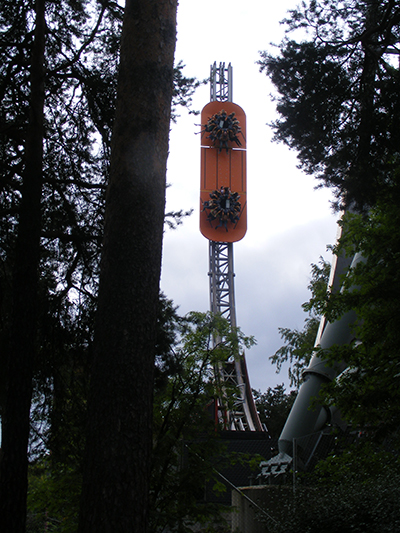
{"x":116,"y":476}
{"x":15,"y":430}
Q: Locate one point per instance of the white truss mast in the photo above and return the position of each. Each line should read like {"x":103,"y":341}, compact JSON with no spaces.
{"x":241,"y":414}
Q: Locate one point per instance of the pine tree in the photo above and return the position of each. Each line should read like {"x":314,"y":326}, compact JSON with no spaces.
{"x":117,"y":463}
{"x":338,"y":100}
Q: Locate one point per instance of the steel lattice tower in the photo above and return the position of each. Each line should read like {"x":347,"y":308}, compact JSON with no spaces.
{"x":243,"y":415}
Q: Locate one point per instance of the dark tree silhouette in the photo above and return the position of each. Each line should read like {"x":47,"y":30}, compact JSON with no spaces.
{"x":338,"y":97}
{"x":117,"y":464}
{"x":14,"y":463}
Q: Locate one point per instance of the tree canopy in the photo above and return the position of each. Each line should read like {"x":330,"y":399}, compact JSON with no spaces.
{"x":273,"y":407}
{"x":338,"y":95}
{"x":299,"y":345}
{"x":337,"y":79}
{"x":338,"y":104}
{"x":58,"y":81}
{"x":368,"y":392}
{"x":186,"y":449}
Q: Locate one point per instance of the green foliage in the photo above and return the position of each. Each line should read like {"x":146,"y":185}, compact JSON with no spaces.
{"x":184,"y":89}
{"x":299,"y":345}
{"x":343,"y":78}
{"x":82,"y":54}
{"x":297,"y":349}
{"x":61,"y":381}
{"x":186,"y":447}
{"x":355,"y":489}
{"x":53,"y":498}
{"x":273,"y":407}
{"x":347,"y":507}
{"x":318,"y":286}
{"x":342,"y":75}
{"x":186,"y":442}
{"x":338,"y":94}
{"x":363,"y":461}
{"x":82,"y":44}
{"x":368,"y":393}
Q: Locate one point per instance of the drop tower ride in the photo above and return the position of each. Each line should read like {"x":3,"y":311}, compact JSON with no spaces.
{"x":223,"y":221}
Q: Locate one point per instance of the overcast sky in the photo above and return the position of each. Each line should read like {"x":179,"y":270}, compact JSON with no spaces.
{"x":290,"y":223}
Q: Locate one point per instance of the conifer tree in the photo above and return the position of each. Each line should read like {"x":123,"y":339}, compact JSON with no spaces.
{"x":117,"y":463}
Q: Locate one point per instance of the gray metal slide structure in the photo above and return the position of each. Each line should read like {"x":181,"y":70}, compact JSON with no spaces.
{"x":304,"y":420}
{"x":307,"y":417}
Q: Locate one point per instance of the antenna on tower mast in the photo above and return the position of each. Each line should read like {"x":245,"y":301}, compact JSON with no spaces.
{"x":221,"y":83}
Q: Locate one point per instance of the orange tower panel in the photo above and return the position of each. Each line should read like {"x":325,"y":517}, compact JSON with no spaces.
{"x":223,"y":210}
